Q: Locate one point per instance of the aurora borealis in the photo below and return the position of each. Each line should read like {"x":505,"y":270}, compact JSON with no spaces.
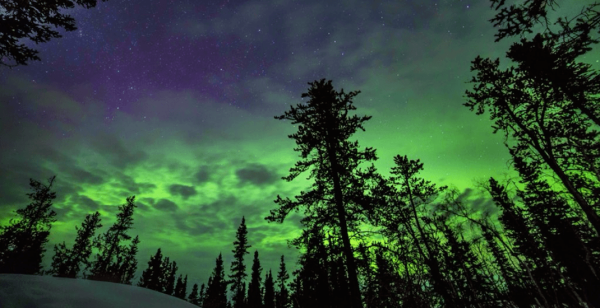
{"x":173,"y":102}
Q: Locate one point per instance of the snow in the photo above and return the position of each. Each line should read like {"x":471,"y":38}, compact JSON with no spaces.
{"x":32,"y":291}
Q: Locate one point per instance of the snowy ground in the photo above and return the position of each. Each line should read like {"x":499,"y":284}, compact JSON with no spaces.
{"x":30,"y":291}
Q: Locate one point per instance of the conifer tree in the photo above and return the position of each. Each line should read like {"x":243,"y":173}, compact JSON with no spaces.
{"x":169,"y":277}
{"x":561,"y":230}
{"x":111,"y":261}
{"x":184,"y":288}
{"x":385,"y":288}
{"x":254,"y":295}
{"x":269,"y":293}
{"x":466,"y":268}
{"x":202,"y":294}
{"x":544,"y":105}
{"x":402,"y":212}
{"x":325,"y":127}
{"x":518,"y":291}
{"x":527,"y":242}
{"x":22,"y":241}
{"x":194,"y":297}
{"x":177,"y":288}
{"x":67,"y":262}
{"x":181,"y":287}
{"x":238,"y":268}
{"x":216,"y":293}
{"x":152,"y":276}
{"x":282,"y":295}
{"x":126,"y":266}
{"x":313,"y":286}
{"x":338,"y":281}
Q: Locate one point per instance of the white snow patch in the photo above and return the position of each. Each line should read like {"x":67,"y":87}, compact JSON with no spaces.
{"x":32,"y":291}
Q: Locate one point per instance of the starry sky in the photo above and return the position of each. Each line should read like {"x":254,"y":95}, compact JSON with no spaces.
{"x":173,"y":102}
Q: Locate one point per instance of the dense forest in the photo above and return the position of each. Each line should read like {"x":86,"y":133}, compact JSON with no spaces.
{"x":542,"y":249}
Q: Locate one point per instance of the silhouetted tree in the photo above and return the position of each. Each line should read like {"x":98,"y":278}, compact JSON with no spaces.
{"x":22,"y":241}
{"x":569,"y":241}
{"x":566,"y":77}
{"x":312,"y":287}
{"x":269,"y":293}
{"x":112,"y":262}
{"x":67,"y":262}
{"x":216,"y":293}
{"x":194,"y":297}
{"x":465,"y":268}
{"x":184,"y":287}
{"x":126,"y":265}
{"x":238,"y":268}
{"x":519,"y":19}
{"x":325,"y":127}
{"x":282,"y":295}
{"x":386,"y":291}
{"x":254,"y":296}
{"x":181,"y":287}
{"x":152,"y":276}
{"x":202,"y":295}
{"x":30,"y":19}
{"x":169,"y":273}
{"x":177,"y":288}
{"x":402,"y":212}
{"x":542,"y":105}
{"x":526,"y":242}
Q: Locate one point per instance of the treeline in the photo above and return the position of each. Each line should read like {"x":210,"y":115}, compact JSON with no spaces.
{"x":22,"y":247}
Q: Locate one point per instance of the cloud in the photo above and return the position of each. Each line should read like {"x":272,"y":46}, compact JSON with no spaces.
{"x":114,"y":150}
{"x":84,"y":202}
{"x":257,"y":175}
{"x":127,"y":186}
{"x":182,"y":190}
{"x":202,"y":175}
{"x":166,"y":205}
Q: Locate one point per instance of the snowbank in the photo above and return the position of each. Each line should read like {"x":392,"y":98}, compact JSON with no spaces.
{"x":30,"y":291}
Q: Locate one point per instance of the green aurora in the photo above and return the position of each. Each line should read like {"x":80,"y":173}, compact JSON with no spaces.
{"x":200,"y":153}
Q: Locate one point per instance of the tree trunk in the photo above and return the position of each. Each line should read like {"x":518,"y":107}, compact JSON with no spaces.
{"x":352,"y":276}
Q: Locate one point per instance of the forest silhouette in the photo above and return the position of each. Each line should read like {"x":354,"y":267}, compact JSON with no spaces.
{"x":542,"y":250}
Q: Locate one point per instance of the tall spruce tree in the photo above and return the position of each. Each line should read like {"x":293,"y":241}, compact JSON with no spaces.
{"x":313,"y":286}
{"x":269,"y":297}
{"x":152,"y":276}
{"x":67,"y":262}
{"x":254,"y":295}
{"x":22,"y":241}
{"x":112,"y":262}
{"x":181,"y":287}
{"x":183,"y":291}
{"x":238,"y":268}
{"x":466,"y":267}
{"x":194,"y":297}
{"x":562,"y":230}
{"x":403,"y":212}
{"x":216,"y":293}
{"x":126,"y":266}
{"x":282,"y":299}
{"x":325,"y":127}
{"x":177,"y":288}
{"x":385,"y":283}
{"x":202,"y":294}
{"x":169,"y":277}
{"x":527,"y":243}
{"x":545,"y":106}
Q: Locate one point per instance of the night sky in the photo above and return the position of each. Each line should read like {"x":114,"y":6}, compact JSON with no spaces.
{"x":173,"y":102}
